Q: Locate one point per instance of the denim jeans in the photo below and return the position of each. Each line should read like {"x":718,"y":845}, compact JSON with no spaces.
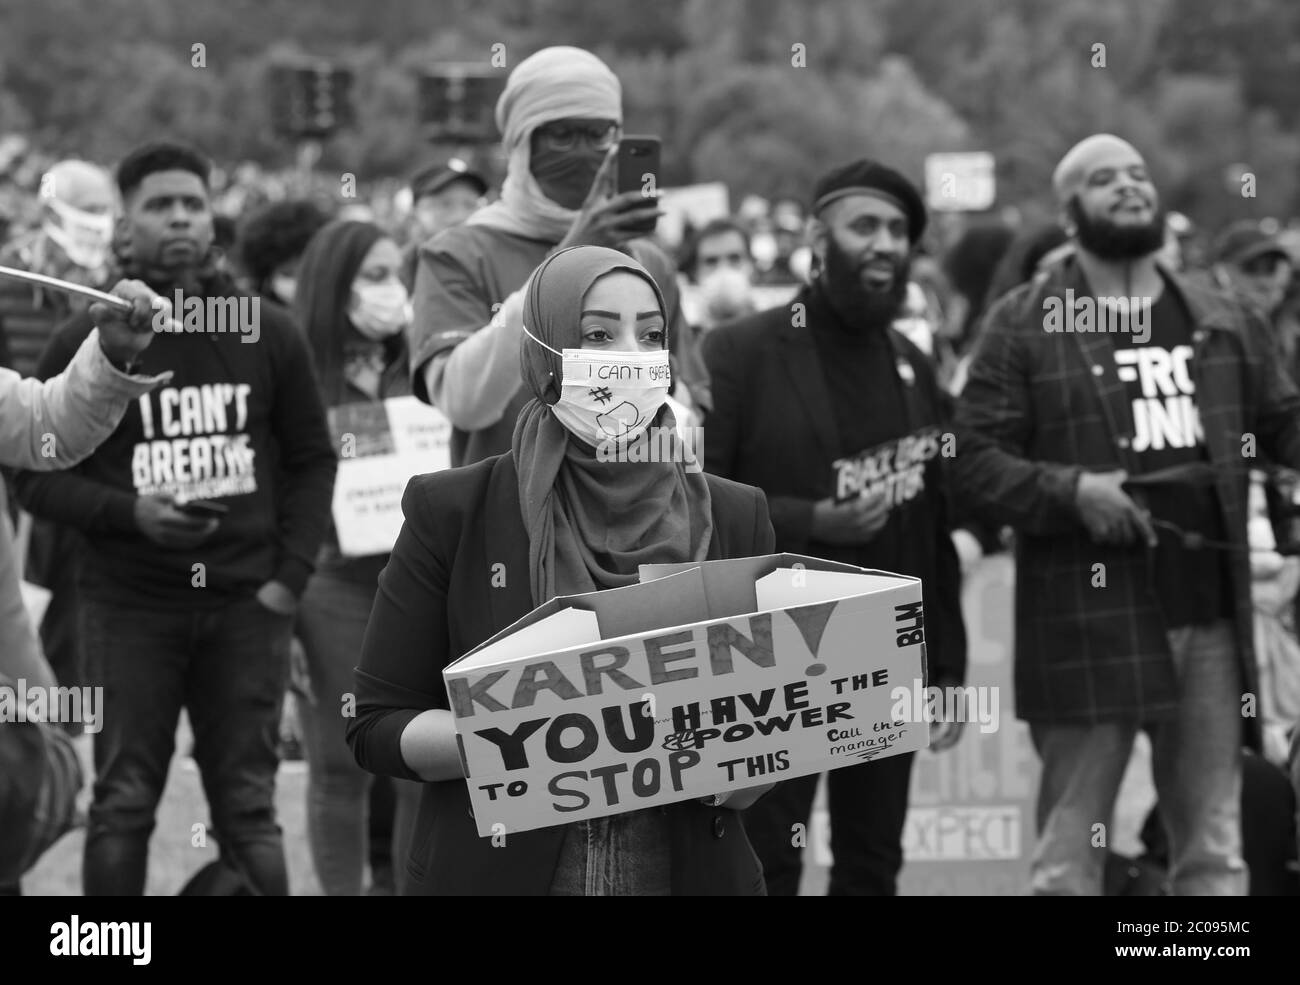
{"x":623,"y":855}
{"x":227,"y":666}
{"x":332,"y":626}
{"x":1196,"y":766}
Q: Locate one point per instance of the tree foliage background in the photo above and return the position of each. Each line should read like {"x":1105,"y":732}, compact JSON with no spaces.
{"x":763,"y":94}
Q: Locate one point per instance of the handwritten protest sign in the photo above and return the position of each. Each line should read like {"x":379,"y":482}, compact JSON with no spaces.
{"x":703,"y":678}
{"x":381,"y":446}
{"x":970,"y":827}
{"x":897,"y":468}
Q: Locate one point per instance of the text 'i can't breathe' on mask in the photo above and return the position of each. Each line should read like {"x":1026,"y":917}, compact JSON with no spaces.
{"x":606,"y":395}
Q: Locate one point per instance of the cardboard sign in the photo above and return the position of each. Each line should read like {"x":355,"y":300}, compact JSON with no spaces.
{"x":702,"y":679}
{"x":970,"y":823}
{"x":897,"y":468}
{"x":382,"y":445}
{"x":692,"y":205}
{"x":963,"y":182}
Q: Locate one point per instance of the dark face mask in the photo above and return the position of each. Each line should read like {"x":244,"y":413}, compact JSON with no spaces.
{"x":565,"y":177}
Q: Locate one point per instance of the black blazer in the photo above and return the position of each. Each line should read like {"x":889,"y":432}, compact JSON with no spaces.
{"x":436,"y":601}
{"x":773,"y":426}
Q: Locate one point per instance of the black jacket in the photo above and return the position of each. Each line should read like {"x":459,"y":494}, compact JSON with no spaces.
{"x":773,"y":426}
{"x":436,"y":602}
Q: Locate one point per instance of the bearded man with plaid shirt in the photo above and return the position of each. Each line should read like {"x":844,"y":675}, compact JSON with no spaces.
{"x":1121,"y":457}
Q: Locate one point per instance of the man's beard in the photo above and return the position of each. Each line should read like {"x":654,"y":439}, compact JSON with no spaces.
{"x":1105,"y":239}
{"x":859,"y":306}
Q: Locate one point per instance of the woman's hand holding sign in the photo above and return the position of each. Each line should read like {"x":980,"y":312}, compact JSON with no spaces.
{"x":853,"y":522}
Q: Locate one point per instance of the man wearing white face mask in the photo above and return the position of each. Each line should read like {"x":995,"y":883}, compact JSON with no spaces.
{"x":560,"y":117}
{"x":720,"y":264}
{"x":78,"y":206}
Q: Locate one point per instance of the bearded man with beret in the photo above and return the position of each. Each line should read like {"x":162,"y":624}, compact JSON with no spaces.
{"x":800,"y":393}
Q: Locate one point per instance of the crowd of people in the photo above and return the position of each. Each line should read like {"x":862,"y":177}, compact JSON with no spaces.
{"x":182,"y":520}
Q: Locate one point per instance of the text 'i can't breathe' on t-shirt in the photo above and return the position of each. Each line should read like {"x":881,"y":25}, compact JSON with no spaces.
{"x":1192,"y":583}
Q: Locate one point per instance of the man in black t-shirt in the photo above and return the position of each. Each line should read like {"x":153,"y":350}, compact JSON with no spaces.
{"x":1154,"y":362}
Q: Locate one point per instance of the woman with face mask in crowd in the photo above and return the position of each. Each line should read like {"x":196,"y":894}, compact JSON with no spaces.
{"x":353,"y":308}
{"x":555,"y":516}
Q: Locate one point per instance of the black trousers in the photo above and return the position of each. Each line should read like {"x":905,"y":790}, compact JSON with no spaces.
{"x":868,"y":805}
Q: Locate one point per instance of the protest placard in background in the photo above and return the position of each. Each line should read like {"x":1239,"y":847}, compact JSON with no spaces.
{"x":702,"y":679}
{"x":690,"y":206}
{"x":895,"y":468}
{"x":381,"y":446}
{"x":970,"y":823}
{"x":960,"y":182}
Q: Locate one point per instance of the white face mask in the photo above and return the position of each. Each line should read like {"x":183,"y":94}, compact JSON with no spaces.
{"x":608,"y":395}
{"x":382,"y":310}
{"x":83,"y":236}
{"x":725,"y":292}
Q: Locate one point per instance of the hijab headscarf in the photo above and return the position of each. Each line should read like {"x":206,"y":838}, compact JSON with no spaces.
{"x":552,"y":84}
{"x":591,"y":523}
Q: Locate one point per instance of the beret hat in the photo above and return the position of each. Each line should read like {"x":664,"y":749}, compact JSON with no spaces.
{"x":868,"y":177}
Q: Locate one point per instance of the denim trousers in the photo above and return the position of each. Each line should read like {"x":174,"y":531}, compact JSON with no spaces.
{"x":331,"y":627}
{"x":1196,"y":766}
{"x":623,"y":855}
{"x":227,"y":666}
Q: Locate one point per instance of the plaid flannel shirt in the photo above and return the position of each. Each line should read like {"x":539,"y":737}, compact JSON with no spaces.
{"x":1041,"y":407}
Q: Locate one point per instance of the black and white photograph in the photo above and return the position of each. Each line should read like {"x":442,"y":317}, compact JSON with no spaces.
{"x":650,"y":448}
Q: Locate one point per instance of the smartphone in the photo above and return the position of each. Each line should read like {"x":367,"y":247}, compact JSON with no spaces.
{"x":638,"y":171}
{"x":638,"y":164}
{"x":204,"y":508}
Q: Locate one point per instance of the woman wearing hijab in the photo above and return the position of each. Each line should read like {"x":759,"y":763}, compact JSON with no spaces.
{"x":560,"y":117}
{"x":557,"y":520}
{"x":352,"y":307}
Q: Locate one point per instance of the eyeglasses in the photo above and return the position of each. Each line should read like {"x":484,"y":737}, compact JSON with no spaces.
{"x":565,"y":136}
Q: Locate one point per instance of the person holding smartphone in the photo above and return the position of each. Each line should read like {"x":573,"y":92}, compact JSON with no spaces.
{"x":560,"y":116}
{"x":558,"y":519}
